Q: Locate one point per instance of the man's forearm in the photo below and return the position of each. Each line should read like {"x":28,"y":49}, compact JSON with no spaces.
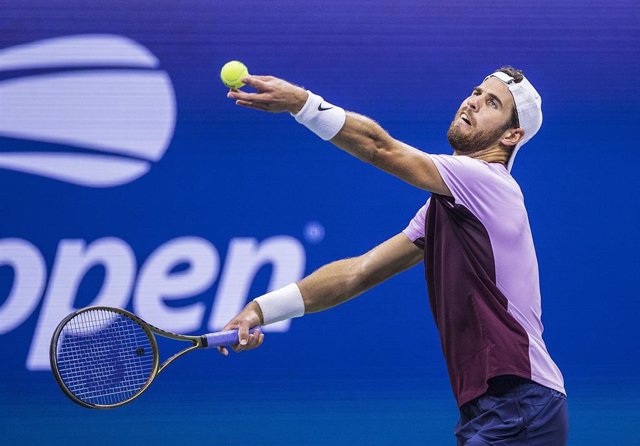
{"x":331,"y":285}
{"x":363,"y":138}
{"x":340,"y":281}
{"x":334,"y":283}
{"x":356,"y":134}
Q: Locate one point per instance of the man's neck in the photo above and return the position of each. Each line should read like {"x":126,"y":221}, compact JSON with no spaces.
{"x":495,"y":154}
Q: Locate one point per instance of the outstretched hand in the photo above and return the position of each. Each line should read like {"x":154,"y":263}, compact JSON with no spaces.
{"x":272,"y":94}
{"x":249,"y":317}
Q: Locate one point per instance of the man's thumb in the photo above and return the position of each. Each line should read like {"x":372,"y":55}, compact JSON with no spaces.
{"x":243,"y":334}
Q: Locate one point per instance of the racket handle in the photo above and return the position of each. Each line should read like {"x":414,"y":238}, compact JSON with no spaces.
{"x":221,"y":338}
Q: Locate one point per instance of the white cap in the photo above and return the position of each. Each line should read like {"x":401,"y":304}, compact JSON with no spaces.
{"x":528,"y":105}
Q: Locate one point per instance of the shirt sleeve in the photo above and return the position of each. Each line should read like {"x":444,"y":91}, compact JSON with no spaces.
{"x":470,"y":181}
{"x":415,"y":230}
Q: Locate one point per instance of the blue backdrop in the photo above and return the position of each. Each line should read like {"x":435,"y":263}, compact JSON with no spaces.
{"x":128,"y":178}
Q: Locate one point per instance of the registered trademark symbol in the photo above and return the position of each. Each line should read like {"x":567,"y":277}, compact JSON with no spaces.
{"x":313,"y":232}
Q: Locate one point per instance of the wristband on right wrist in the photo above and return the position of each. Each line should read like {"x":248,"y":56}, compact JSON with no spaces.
{"x":282,"y":304}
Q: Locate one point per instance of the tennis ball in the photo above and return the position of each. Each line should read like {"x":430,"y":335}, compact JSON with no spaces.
{"x":232,"y":74}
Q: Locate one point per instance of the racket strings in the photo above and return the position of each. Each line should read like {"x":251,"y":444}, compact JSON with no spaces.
{"x":104,"y":357}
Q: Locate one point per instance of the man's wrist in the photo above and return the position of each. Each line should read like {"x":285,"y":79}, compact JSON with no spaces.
{"x":300,"y":96}
{"x":322,"y":118}
{"x":280,"y":305}
{"x":253,"y":306}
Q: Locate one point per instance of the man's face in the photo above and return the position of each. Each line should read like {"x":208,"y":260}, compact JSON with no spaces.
{"x":482,"y":118}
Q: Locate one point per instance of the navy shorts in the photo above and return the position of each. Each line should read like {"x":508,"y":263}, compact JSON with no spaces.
{"x":514,"y":411}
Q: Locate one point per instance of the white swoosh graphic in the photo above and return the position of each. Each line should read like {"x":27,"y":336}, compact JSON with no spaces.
{"x":121,"y":111}
{"x":85,"y":50}
{"x":81,"y":169}
{"x":129,"y":112}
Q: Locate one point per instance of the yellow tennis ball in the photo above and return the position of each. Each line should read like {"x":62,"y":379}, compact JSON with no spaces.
{"x":232,"y":74}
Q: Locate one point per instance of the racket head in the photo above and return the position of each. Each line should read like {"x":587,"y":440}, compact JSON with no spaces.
{"x":103,"y":357}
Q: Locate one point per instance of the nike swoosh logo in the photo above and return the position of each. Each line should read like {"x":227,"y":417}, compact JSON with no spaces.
{"x":320,"y":108}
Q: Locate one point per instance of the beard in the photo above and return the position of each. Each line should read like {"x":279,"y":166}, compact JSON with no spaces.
{"x":468,"y":143}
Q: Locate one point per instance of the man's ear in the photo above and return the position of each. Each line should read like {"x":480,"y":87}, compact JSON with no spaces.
{"x":512,"y":137}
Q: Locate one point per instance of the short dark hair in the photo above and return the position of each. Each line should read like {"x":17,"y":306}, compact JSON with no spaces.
{"x":517,"y":76}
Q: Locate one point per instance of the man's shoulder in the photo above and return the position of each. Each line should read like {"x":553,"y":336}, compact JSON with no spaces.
{"x":464,"y":161}
{"x":467,"y":168}
{"x":473,"y":181}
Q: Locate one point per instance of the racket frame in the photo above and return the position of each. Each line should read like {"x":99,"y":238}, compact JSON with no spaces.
{"x":198,"y":342}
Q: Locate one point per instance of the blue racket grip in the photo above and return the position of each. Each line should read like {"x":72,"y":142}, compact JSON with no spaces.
{"x":228,"y":337}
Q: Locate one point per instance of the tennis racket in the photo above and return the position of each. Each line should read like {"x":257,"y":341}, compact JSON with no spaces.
{"x":105,"y":357}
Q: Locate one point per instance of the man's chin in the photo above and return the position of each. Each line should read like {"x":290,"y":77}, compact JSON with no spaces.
{"x":460,"y":144}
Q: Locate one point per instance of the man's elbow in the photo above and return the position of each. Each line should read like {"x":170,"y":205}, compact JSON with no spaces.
{"x":362,"y":276}
{"x":383,"y":153}
{"x":377,"y":149}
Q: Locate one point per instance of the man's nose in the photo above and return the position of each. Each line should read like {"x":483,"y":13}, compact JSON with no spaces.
{"x":473,"y":103}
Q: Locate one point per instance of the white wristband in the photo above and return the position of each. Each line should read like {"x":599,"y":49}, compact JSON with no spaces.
{"x":282,"y":304}
{"x":322,"y":118}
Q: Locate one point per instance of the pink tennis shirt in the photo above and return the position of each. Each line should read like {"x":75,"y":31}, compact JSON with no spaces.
{"x":482,"y":278}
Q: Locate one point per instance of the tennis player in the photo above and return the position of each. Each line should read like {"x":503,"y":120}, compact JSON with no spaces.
{"x":474,"y":237}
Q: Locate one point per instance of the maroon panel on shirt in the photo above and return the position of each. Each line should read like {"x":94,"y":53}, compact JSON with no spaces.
{"x":479,"y":338}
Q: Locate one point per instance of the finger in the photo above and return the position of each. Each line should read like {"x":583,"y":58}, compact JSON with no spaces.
{"x":252,"y":105}
{"x":223,"y":351}
{"x":238,"y":348}
{"x":231,"y":325}
{"x":263,"y":78}
{"x":243,"y":334}
{"x":250,"y":343}
{"x":257,"y":82}
{"x":257,"y":339}
{"x":244,"y":96}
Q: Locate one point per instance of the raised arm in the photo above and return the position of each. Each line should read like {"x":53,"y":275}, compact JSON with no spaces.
{"x":336,"y":283}
{"x":360,"y":136}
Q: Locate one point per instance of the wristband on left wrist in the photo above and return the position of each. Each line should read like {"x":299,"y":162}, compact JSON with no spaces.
{"x":322,"y":118}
